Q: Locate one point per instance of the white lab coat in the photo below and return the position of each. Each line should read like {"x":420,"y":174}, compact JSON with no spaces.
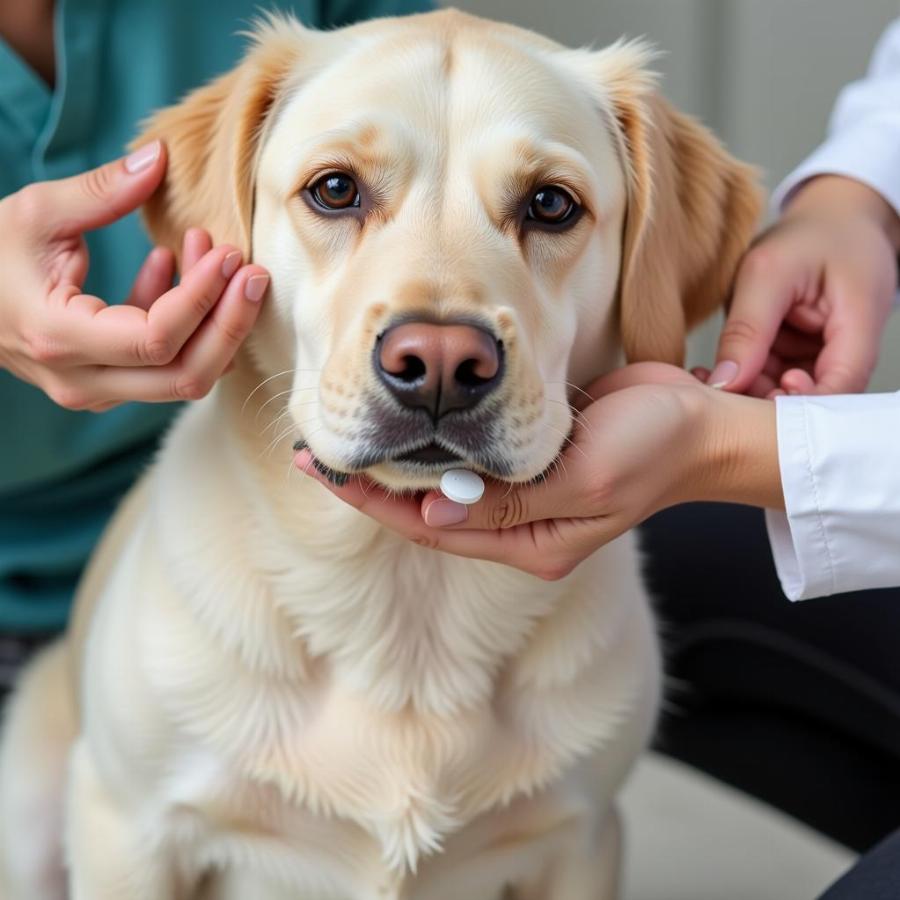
{"x":840,"y":455}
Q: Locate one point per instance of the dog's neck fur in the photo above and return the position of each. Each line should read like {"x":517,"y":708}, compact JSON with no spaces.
{"x":384,"y":629}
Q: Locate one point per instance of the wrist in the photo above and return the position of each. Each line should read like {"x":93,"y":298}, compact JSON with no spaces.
{"x":840,"y":197}
{"x":735,"y":452}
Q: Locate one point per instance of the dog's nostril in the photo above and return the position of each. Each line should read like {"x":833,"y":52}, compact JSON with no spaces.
{"x":413,"y":370}
{"x":481,"y":368}
{"x":472,"y":373}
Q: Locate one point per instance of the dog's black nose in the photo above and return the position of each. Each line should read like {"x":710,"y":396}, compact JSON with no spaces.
{"x":438,"y":368}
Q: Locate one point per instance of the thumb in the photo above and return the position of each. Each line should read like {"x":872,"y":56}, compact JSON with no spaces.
{"x":636,"y":374}
{"x":103,"y":195}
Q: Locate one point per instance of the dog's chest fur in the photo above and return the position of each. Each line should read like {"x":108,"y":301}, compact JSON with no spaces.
{"x":363,"y":702}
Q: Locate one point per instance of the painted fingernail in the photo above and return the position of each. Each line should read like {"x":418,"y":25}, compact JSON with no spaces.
{"x":255,"y":287}
{"x":723,"y":374}
{"x":440,"y":513}
{"x":143,"y":157}
{"x":230,"y":263}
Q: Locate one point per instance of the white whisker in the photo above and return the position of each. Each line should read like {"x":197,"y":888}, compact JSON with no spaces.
{"x":574,"y":387}
{"x":569,"y":441}
{"x":265,"y":381}
{"x":577,"y":414}
{"x":273,"y":398}
{"x":282,"y":436}
{"x":273,"y":425}
{"x":277,"y":440}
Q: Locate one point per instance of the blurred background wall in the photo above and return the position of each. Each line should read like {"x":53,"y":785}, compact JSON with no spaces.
{"x":762,"y":73}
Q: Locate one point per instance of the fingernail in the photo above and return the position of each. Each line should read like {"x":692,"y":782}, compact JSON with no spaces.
{"x":723,"y":374}
{"x":143,"y":157}
{"x":255,"y":287}
{"x":230,"y":263}
{"x":440,"y":513}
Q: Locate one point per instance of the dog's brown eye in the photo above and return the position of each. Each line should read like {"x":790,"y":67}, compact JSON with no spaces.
{"x":336,"y":191}
{"x":551,"y":206}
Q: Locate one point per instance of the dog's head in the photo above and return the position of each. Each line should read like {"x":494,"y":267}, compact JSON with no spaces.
{"x":463,"y":222}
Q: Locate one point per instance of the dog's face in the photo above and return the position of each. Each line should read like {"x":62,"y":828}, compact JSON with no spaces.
{"x":442,"y":204}
{"x":444,"y":248}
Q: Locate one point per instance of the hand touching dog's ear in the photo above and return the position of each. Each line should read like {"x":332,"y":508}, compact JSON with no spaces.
{"x":692,"y":210}
{"x":85,"y":352}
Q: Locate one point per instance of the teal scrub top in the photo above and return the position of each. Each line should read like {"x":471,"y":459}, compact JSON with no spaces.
{"x":62,"y":472}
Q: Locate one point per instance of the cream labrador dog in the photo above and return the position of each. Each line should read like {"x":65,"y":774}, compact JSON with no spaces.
{"x":264,"y":695}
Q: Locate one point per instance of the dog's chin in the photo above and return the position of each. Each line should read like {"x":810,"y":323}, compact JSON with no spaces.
{"x":405,"y":476}
{"x":421,"y":470}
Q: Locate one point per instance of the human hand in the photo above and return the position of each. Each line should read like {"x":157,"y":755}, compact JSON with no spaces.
{"x":163,"y":343}
{"x":654,"y":436}
{"x":812,"y":295}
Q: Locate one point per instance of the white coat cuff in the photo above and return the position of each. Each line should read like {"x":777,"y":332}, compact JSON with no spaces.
{"x":797,"y":536}
{"x":841,"y":528}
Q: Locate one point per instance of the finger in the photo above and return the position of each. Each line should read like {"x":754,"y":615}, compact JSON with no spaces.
{"x":852,"y":339}
{"x":399,"y":512}
{"x":797,"y":381}
{"x":774,"y":367}
{"x":197,"y":243}
{"x":209,"y":352}
{"x":505,"y":506}
{"x":69,"y":206}
{"x":846,"y":362}
{"x":761,"y":386}
{"x":808,"y":318}
{"x":93,"y":333}
{"x":502,"y":506}
{"x":204,"y":358}
{"x":179,"y":312}
{"x":548,"y":548}
{"x":763,"y":294}
{"x":153,"y":279}
{"x":701,"y":373}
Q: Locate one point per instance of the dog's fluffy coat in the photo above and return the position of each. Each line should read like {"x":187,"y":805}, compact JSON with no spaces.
{"x":264,"y":693}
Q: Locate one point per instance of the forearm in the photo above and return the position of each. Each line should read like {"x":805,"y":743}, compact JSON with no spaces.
{"x":733,"y":455}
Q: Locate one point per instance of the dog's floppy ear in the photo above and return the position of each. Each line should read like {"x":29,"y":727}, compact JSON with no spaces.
{"x":692,"y":210}
{"x":212,"y":137}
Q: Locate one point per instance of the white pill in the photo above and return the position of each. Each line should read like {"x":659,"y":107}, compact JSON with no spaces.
{"x":462,"y":486}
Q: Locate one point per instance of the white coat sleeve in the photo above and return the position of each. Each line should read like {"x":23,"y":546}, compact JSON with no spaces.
{"x":840,"y":470}
{"x":864,"y":131}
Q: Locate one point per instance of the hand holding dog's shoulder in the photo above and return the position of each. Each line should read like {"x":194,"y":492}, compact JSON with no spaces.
{"x":163,"y":343}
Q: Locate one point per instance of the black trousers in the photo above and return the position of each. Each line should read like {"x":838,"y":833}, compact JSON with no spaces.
{"x":796,"y":703}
